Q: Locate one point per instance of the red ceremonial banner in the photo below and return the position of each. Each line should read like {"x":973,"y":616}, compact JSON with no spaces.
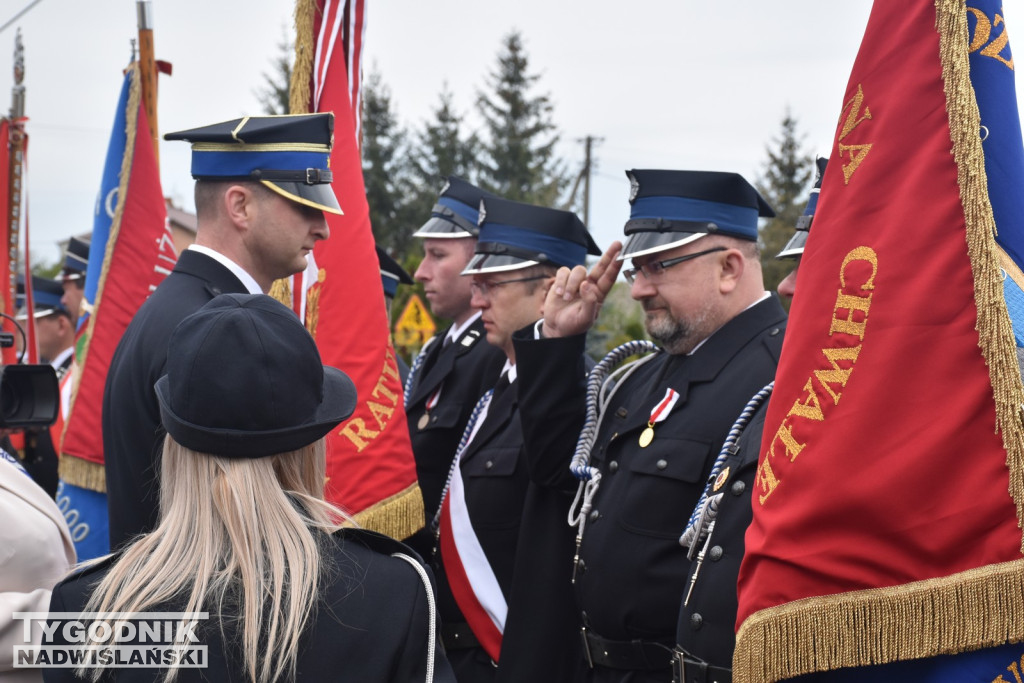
{"x":370,"y":467}
{"x":138,"y":255}
{"x":887,"y":502}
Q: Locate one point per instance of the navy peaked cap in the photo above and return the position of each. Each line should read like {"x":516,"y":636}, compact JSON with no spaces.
{"x":76,"y":259}
{"x":288,"y":154}
{"x":391,"y":273}
{"x":516,"y":235}
{"x":46,"y":295}
{"x":456,"y":212}
{"x":795,"y":247}
{"x":672,"y":208}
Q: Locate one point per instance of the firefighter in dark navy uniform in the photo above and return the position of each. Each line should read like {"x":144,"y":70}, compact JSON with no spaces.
{"x":692,"y":238}
{"x":457,"y":366}
{"x":262,"y":187}
{"x":500,"y":620}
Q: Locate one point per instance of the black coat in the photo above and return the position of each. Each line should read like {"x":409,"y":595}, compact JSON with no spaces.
{"x":632,"y":573}
{"x":371,"y":622}
{"x":707,"y":623}
{"x":463,"y":371}
{"x":132,"y":433}
{"x":512,"y":518}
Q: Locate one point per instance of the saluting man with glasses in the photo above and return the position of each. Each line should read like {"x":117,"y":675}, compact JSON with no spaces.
{"x":496,"y":618}
{"x":692,"y":239}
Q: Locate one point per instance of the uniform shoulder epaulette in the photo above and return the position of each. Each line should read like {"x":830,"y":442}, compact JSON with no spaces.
{"x":376,"y":541}
{"x":469,"y":340}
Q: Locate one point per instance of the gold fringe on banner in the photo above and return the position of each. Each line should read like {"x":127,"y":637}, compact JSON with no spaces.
{"x":302,"y":70}
{"x":131,"y":129}
{"x":83,"y":473}
{"x":282,"y":291}
{"x":398,"y":516}
{"x":970,"y":610}
{"x":973,"y":609}
{"x":995,"y":330}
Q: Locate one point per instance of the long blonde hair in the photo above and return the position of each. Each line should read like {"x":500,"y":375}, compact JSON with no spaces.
{"x":237,"y":535}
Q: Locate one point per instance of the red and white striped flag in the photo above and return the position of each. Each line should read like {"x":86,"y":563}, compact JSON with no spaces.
{"x":370,"y":467}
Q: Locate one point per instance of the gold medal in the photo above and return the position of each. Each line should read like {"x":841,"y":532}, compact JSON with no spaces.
{"x":646,"y":437}
{"x":424,"y":421}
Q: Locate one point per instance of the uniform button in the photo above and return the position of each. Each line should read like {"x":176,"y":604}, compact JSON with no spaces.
{"x":715,"y":553}
{"x":739,"y":487}
{"x":621,"y":412}
{"x":613,"y":466}
{"x":489,"y":464}
{"x":594,"y":514}
{"x":696,"y":621}
{"x":774,"y":332}
{"x":433,"y":418}
{"x":661,"y":464}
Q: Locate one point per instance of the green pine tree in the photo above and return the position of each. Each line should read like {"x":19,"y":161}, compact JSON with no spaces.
{"x":785,"y":184}
{"x":519,"y":159}
{"x":385,"y":169}
{"x":273,"y":94}
{"x":441,"y":149}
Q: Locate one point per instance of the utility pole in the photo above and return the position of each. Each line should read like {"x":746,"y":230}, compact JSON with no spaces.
{"x":588,"y":143}
{"x":584,"y":176}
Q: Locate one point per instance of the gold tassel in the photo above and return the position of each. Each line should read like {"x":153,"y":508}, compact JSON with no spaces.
{"x":302,"y":70}
{"x":398,"y":516}
{"x":82,"y":473}
{"x":995,"y":330}
{"x":969,"y":610}
{"x":282,"y":291}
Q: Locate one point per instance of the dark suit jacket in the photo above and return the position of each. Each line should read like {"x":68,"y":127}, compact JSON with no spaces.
{"x":632,"y":572}
{"x":464,"y":371}
{"x":371,"y":622}
{"x":707,"y":623}
{"x":132,"y":434}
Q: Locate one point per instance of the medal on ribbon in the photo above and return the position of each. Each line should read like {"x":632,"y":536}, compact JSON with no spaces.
{"x":431,"y":402}
{"x":658,"y":413}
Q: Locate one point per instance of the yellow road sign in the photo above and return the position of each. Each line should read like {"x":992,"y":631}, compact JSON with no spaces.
{"x":414,"y":326}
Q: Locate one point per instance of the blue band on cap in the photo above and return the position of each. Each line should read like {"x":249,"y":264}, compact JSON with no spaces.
{"x":238,"y":164}
{"x":740,"y":220}
{"x":470,"y":213}
{"x":559,"y":251}
{"x":812,"y":204}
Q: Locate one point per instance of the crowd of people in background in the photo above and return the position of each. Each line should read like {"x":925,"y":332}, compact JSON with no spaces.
{"x":217,"y":403}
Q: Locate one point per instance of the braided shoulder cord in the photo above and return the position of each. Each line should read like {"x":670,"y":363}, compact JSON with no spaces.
{"x":417,"y":363}
{"x":600,"y":391}
{"x":481,"y":404}
{"x":706,"y":510}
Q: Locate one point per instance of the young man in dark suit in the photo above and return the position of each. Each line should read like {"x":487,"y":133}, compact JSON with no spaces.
{"x":259,"y":206}
{"x":457,"y":366}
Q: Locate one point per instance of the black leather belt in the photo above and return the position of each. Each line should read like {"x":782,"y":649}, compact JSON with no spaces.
{"x":458,"y":636}
{"x":686,"y":669}
{"x":636,"y":655}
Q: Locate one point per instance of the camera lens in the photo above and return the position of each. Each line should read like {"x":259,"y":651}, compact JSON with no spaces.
{"x":10,"y":401}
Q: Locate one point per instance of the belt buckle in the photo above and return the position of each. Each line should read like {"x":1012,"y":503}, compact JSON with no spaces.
{"x":586,"y":647}
{"x":678,"y":667}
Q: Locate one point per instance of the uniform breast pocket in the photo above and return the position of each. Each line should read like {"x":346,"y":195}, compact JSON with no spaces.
{"x":445,"y":415}
{"x":495,"y":484}
{"x":666,"y":479}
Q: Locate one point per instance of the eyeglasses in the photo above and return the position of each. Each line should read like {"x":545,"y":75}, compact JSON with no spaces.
{"x":483,"y":288}
{"x":654,"y":269}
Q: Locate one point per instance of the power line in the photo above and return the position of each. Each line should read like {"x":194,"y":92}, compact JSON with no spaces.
{"x":19,"y":15}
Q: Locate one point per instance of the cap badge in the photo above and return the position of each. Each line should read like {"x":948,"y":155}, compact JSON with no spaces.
{"x":634,"y":187}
